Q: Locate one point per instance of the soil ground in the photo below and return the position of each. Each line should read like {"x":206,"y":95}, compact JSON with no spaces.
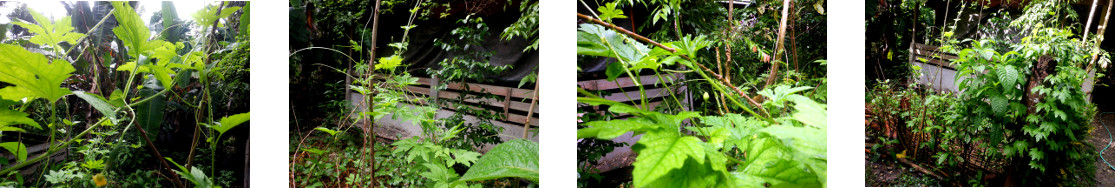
{"x":1105,"y":176}
{"x":888,"y":173}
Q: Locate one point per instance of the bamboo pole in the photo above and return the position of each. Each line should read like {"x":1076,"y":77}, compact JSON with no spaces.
{"x":1088,"y":26}
{"x":778,"y":50}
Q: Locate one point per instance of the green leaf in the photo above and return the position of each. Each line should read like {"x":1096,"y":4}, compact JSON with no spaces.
{"x":599,"y":41}
{"x":16,"y":148}
{"x":590,"y":44}
{"x":116,"y":99}
{"x":770,"y":165}
{"x":208,"y":15}
{"x":48,"y":32}
{"x":1008,"y":76}
{"x":326,"y":130}
{"x":245,"y":20}
{"x":810,"y":112}
{"x":465,"y":157}
{"x":389,"y":63}
{"x":99,"y":103}
{"x":130,"y":29}
{"x":609,"y":11}
{"x":614,"y":128}
{"x":438,"y":173}
{"x":195,"y":175}
{"x":807,"y":141}
{"x":689,"y":45}
{"x":94,"y":164}
{"x":229,"y":122}
{"x":149,"y":114}
{"x":516,"y":158}
{"x":32,"y":75}
{"x":11,"y":117}
{"x":615,"y":69}
{"x":781,"y":93}
{"x":999,"y":103}
{"x":662,"y":152}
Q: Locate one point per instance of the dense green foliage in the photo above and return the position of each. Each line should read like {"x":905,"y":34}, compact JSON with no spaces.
{"x":1021,"y":112}
{"x":778,"y":141}
{"x":121,"y":99}
{"x":444,"y":153}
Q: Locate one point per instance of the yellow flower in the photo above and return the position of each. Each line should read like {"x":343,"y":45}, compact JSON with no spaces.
{"x":100,"y":180}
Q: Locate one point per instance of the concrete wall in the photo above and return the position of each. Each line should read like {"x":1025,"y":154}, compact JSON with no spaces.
{"x":943,"y":79}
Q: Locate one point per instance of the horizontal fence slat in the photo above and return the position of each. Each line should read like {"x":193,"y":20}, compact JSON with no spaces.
{"x":635,"y":95}
{"x":624,"y":82}
{"x":516,"y":104}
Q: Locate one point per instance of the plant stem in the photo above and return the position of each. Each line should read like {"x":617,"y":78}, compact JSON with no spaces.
{"x":55,"y":148}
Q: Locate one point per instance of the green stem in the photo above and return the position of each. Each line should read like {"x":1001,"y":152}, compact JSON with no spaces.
{"x":50,"y":126}
{"x":55,"y":148}
{"x":667,"y":87}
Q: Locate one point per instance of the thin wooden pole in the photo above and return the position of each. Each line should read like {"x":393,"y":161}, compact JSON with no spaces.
{"x":1088,"y":26}
{"x":369,"y":129}
{"x":530,"y":111}
{"x":778,"y":50}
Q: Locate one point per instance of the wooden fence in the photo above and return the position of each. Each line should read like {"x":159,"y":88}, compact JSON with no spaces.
{"x":33,"y":150}
{"x":624,"y":90}
{"x":514,"y":104}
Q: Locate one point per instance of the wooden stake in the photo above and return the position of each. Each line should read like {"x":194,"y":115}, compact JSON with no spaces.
{"x":530,"y":112}
{"x":778,"y":50}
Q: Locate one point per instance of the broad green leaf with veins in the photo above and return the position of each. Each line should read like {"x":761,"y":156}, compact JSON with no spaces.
{"x":12,"y":117}
{"x":599,"y":41}
{"x":662,"y":152}
{"x":33,"y":76}
{"x":1008,"y":75}
{"x":768,"y":163}
{"x":50,"y":33}
{"x":208,"y":15}
{"x":515,"y":158}
{"x":131,"y":30}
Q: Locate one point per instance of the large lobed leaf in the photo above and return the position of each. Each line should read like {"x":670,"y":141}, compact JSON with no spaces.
{"x":11,"y":117}
{"x":33,"y":76}
{"x":132,"y":31}
{"x":208,"y":15}
{"x":769,"y":164}
{"x":515,"y":158}
{"x":662,"y":152}
{"x":50,"y":33}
